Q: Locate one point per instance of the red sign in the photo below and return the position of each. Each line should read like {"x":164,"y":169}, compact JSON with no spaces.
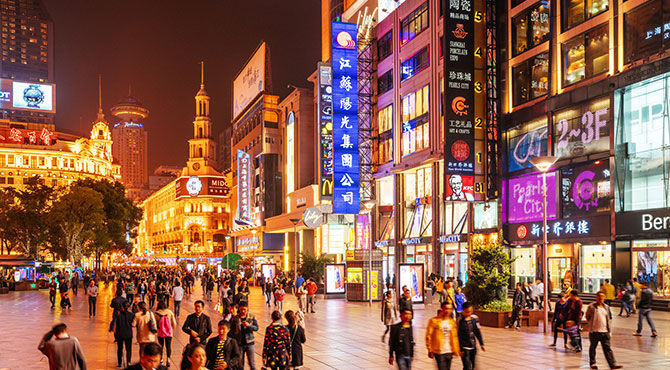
{"x":27,"y":137}
{"x":521,"y":231}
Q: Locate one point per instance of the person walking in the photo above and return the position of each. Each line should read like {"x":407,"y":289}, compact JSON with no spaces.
{"x":297,"y":333}
{"x":92,"y":293}
{"x":123,"y":333}
{"x":246,"y":325}
{"x":194,"y":357}
{"x":277,"y":344}
{"x":644,"y":311}
{"x":401,"y":341}
{"x":222,"y":351}
{"x":177,"y":297}
{"x":574,"y":308}
{"x":598,"y":319}
{"x":608,"y":289}
{"x":267,"y":291}
{"x":116,"y":305}
{"x":75,"y":283}
{"x":311,"y":295}
{"x":389,"y":313}
{"x":166,"y":326}
{"x":301,"y":295}
{"x":198,"y":325}
{"x":518,"y":303}
{"x":558,"y":319}
{"x":442,"y":337}
{"x":52,"y":292}
{"x":130,"y":290}
{"x":146,"y":325}
{"x":63,"y":351}
{"x":151,"y":294}
{"x":150,"y":359}
{"x":627,"y":299}
{"x":279,"y":295}
{"x":405,"y":301}
{"x":468,"y":335}
{"x":459,"y":300}
{"x":637,"y":287}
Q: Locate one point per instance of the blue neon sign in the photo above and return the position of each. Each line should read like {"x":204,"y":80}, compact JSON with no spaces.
{"x":345,"y":118}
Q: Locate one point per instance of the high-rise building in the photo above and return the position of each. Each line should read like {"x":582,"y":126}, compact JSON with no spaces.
{"x":130,"y":144}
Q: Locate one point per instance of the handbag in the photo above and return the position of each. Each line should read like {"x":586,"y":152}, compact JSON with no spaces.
{"x":152,"y":324}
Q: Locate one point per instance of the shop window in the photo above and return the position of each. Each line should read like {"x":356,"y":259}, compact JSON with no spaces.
{"x":586,"y":55}
{"x":646,"y":30}
{"x":642,"y":152}
{"x":416,"y":22}
{"x":582,"y":129}
{"x":415,"y":133}
{"x":385,"y":82}
{"x":577,"y":11}
{"x":524,"y":265}
{"x":651,"y":259}
{"x":385,"y":45}
{"x":385,"y":191}
{"x":414,"y":64}
{"x":385,"y":134}
{"x":596,"y":266}
{"x":531,"y":79}
{"x":524,"y":142}
{"x":530,"y":28}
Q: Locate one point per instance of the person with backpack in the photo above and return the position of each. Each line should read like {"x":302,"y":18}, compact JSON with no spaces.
{"x":122,"y":326}
{"x":145,"y":322}
{"x":166,"y":325}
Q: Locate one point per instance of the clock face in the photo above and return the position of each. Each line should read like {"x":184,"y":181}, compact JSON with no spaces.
{"x":196,"y":166}
{"x":194,"y":186}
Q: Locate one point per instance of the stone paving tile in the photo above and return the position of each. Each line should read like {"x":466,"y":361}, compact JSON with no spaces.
{"x":341,"y":335}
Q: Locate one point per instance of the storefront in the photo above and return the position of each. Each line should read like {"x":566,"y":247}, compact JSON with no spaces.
{"x":417,"y":212}
{"x":455,"y":256}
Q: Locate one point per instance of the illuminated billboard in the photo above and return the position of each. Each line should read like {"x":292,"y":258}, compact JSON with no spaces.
{"x":411,"y":276}
{"x":27,"y":96}
{"x":525,"y":198}
{"x":325,"y":121}
{"x":335,"y":278}
{"x":243,"y":188}
{"x":193,"y":186}
{"x":250,"y":82}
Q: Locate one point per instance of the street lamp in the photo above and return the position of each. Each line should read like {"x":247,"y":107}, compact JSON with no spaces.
{"x":544,"y":164}
{"x":368,"y":205}
{"x":296,"y":240}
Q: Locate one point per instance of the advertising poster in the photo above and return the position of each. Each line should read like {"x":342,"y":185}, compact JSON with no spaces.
{"x":526,"y":142}
{"x":269,"y":270}
{"x":525,"y":198}
{"x":460,"y":187}
{"x":325,"y":124}
{"x":585,"y":189}
{"x":250,"y":82}
{"x":32,"y":96}
{"x":486,"y":215}
{"x":345,"y":118}
{"x":243,"y":188}
{"x":583,"y":129}
{"x":411,"y":276}
{"x":335,"y":278}
{"x":373,"y":288}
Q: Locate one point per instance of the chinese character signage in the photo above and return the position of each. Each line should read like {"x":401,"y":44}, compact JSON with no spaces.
{"x":325,"y":124}
{"x":27,"y":137}
{"x":243,"y":187}
{"x":586,"y":189}
{"x":345,"y":118}
{"x":558,"y":230}
{"x":525,"y":198}
{"x":459,"y":96}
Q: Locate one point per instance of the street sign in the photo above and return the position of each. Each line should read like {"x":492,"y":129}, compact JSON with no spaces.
{"x":312,"y":217}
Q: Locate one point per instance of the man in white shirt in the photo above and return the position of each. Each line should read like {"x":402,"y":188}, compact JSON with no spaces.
{"x":539,"y":293}
{"x":598,"y":316}
{"x":177,"y":297}
{"x":92,"y":293}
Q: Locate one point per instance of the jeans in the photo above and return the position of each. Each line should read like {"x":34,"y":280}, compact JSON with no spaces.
{"x":468,"y":358}
{"x":628,"y":306}
{"x":443,"y":360}
{"x":177,"y":308}
{"x":557,"y":326}
{"x":311,"y":300}
{"x":404,"y":362}
{"x":604,"y":339}
{"x":120,"y":343}
{"x":91,"y":305}
{"x":268,"y":295}
{"x":52,"y":299}
{"x":166,"y":342}
{"x":515,"y":320}
{"x":645,"y":312}
{"x":248,"y":350}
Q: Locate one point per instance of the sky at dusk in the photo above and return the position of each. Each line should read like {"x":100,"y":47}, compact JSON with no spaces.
{"x":156,"y":45}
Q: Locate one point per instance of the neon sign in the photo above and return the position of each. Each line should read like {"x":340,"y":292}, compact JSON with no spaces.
{"x":325,"y":124}
{"x":525,"y":198}
{"x":582,"y":130}
{"x":243,"y":187}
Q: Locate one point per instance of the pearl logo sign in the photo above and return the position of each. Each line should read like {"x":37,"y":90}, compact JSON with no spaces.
{"x":525,"y":203}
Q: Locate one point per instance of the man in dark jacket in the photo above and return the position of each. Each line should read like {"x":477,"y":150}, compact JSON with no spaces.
{"x":198,"y":325}
{"x":405,"y":301}
{"x":117,"y":306}
{"x":574,"y":308}
{"x":644,"y":310}
{"x":123,"y":333}
{"x":518,"y":303}
{"x":468,"y":335}
{"x":222,"y":350}
{"x":150,"y":358}
{"x":244,"y":333}
{"x":401,"y":341}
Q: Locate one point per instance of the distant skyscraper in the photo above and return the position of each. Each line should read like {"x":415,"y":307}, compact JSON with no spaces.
{"x":130,"y":143}
{"x":27,"y":41}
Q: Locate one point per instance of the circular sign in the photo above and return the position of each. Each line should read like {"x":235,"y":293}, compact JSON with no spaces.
{"x":312,"y":217}
{"x":460,"y":150}
{"x":521,"y":231}
{"x":194,"y":185}
{"x":345,"y":40}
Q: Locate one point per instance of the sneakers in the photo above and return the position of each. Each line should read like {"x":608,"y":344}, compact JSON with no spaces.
{"x":616,"y":367}
{"x":552,"y":345}
{"x":636,"y":334}
{"x":594,"y":367}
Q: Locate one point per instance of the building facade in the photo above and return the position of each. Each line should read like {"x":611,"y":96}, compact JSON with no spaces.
{"x":131,"y":145}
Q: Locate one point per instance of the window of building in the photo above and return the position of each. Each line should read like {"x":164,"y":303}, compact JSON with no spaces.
{"x":385,"y":127}
{"x":577,"y":11}
{"x":531,"y":79}
{"x":649,"y":259}
{"x":586,"y":55}
{"x":414,"y":64}
{"x":385,"y":45}
{"x":530,"y":28}
{"x":416,"y":22}
{"x":646,"y":30}
{"x":385,"y":82}
{"x":415,"y":128}
{"x":290,"y":152}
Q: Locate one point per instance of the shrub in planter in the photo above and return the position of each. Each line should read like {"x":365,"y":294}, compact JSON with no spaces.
{"x":489,"y":271}
{"x":496,"y":306}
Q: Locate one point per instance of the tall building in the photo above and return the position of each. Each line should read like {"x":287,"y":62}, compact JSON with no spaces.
{"x":130,"y":144}
{"x":223,"y":154}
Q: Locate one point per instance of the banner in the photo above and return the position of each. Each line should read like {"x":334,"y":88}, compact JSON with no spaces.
{"x":243,"y":188}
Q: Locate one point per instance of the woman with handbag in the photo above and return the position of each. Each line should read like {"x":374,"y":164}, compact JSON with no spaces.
{"x":146,"y":325}
{"x":297,"y":334}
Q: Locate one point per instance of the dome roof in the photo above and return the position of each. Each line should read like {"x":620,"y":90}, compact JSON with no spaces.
{"x":130,"y":108}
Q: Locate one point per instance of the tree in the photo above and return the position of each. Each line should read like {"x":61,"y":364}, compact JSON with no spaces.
{"x":313,"y":267}
{"x":489,"y":272}
{"x":6,"y":203}
{"x":28,"y":217}
{"x":75,"y":218}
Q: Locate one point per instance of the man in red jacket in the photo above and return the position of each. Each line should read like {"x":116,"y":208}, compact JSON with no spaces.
{"x":574,"y":308}
{"x":311,"y":295}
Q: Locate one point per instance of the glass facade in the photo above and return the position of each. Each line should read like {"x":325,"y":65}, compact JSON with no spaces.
{"x":524,"y":265}
{"x":524,"y":142}
{"x":416,"y":22}
{"x":530,"y":28}
{"x":642,"y":137}
{"x":531,"y":79}
{"x":385,"y":45}
{"x":385,"y":82}
{"x":415,"y":133}
{"x":577,"y":11}
{"x":646,"y":30}
{"x":651,"y":264}
{"x":586,"y":55}
{"x":385,"y":127}
{"x":414,"y":64}
{"x":596,"y":266}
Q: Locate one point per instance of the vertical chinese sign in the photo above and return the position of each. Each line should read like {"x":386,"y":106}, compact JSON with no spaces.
{"x":461,"y":116}
{"x":243,"y":187}
{"x":345,"y":118}
{"x":325,"y":124}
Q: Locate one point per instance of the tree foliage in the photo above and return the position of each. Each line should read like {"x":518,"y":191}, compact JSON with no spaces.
{"x":313,"y":266}
{"x":27,"y":217}
{"x":489,"y":272}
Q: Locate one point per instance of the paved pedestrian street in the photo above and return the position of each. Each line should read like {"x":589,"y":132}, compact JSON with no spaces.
{"x":341,"y":335}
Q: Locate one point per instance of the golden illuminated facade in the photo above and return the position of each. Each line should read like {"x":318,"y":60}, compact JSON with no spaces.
{"x":190,"y":216}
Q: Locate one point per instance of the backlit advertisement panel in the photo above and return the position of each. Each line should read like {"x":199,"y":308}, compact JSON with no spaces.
{"x":525,"y":198}
{"x":411,"y":276}
{"x":250,"y":82}
{"x":27,"y":96}
{"x":243,"y":188}
{"x":335,"y":278}
{"x":345,"y":118}
{"x":269,"y":271}
{"x":585,"y":189}
{"x":325,"y":124}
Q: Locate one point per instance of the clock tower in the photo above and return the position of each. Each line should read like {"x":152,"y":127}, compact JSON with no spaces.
{"x":202,"y":148}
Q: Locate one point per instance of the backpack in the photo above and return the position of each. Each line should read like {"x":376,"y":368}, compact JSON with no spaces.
{"x":164,"y":326}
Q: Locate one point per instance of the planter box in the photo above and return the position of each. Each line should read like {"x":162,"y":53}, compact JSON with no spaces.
{"x":493,"y":319}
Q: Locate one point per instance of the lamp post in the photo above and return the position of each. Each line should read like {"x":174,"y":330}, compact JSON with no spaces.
{"x":227,"y":254}
{"x":368,"y":205}
{"x":253,"y":253}
{"x":295,"y":222}
{"x":544,"y":164}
